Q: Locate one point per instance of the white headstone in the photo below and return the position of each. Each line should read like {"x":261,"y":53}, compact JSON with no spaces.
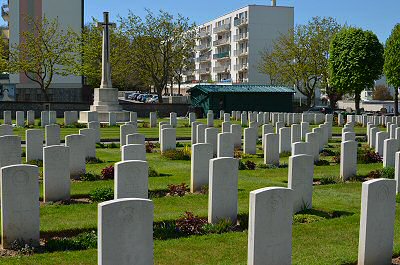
{"x":34,"y":144}
{"x":133,"y":117}
{"x":52,"y":133}
{"x":270,"y":227}
{"x":201,"y":133}
{"x":77,"y":154}
{"x":56,"y":176}
{"x":300,"y":180}
{"x":194,"y":132}
{"x":348,"y":159}
{"x":95,"y":125}
{"x":124,"y":130}
{"x":20,"y":119}
{"x":125,"y":232}
{"x":6,"y":129}
{"x":380,"y":138}
{"x":199,"y":174}
{"x":250,"y":141}
{"x":135,"y":138}
{"x":10,"y":151}
{"x":112,"y":118}
{"x":271,"y":149}
{"x":295,"y":133}
{"x":90,"y":141}
{"x":212,"y":138}
{"x":168,"y":140}
{"x":30,"y":117}
{"x":131,"y":179}
{"x":236,"y":130}
{"x":52,"y":117}
{"x":44,"y":118}
{"x":223,"y":190}
{"x":173,"y":119}
{"x":284,"y":140}
{"x":302,"y":148}
{"x":226,"y":127}
{"x":133,"y":152}
{"x":390,"y":148}
{"x":377,"y":218}
{"x":313,"y":139}
{"x":20,"y":205}
{"x":225,"y":145}
{"x":7,"y":117}
{"x":153,"y":120}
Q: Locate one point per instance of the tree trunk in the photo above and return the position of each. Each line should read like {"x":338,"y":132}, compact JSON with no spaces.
{"x":46,"y":96}
{"x":309,"y":101}
{"x":159,"y":93}
{"x":357,"y":99}
{"x":179,"y":87}
{"x":396,"y":102}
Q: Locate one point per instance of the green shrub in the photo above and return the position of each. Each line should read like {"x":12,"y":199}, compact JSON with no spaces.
{"x":285,"y":154}
{"x":101,"y":195}
{"x":306,"y":218}
{"x":153,"y":173}
{"x":329,"y":180}
{"x":388,"y":172}
{"x":87,"y":240}
{"x":38,"y":163}
{"x":222,"y":226}
{"x":93,"y":160}
{"x":322,"y":162}
{"x":177,"y":154}
{"x":22,"y":247}
{"x":89,"y":177}
{"x":177,"y":190}
{"x":189,"y":224}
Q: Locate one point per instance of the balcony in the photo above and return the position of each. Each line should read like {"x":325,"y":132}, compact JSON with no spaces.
{"x":203,"y":71}
{"x":204,"y":58}
{"x":5,"y":12}
{"x":241,"y":37}
{"x":222,"y":69}
{"x":241,"y":67}
{"x":204,"y":34}
{"x":222,"y":28}
{"x":241,"y":52}
{"x":203,"y":47}
{"x":220,"y":42}
{"x":222,"y":55}
{"x":238,"y":22}
{"x":189,"y":73}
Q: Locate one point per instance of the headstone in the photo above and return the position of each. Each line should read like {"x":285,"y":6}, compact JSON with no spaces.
{"x":162,"y":125}
{"x":348,"y":159}
{"x":397,"y":172}
{"x":95,"y":125}
{"x":77,"y":154}
{"x":226,"y":127}
{"x":6,"y":129}
{"x":284,"y":140}
{"x":271,"y":149}
{"x":300,"y":180}
{"x":90,"y":142}
{"x":52,"y":117}
{"x":236,"y":130}
{"x":305,"y":128}
{"x":380,"y":138}
{"x":227,"y":117}
{"x":270,"y":226}
{"x":135,"y":138}
{"x":10,"y":151}
{"x":225,"y":145}
{"x":131,"y":179}
{"x":278,"y":126}
{"x":125,"y":232}
{"x":56,"y":176}
{"x":223,"y":190}
{"x":173,"y":119}
{"x":20,"y":205}
{"x":212,"y":138}
{"x":70,"y":117}
{"x":112,"y":118}
{"x":194,"y":132}
{"x":34,"y":144}
{"x":133,"y":152}
{"x":44,"y":118}
{"x":372,"y":134}
{"x":192,"y":118}
{"x":20,"y":119}
{"x":295,"y":133}
{"x":52,"y":134}
{"x":201,"y":133}
{"x":266,"y":129}
{"x":253,"y":124}
{"x":348,"y":136}
{"x":250,"y":141}
{"x":124,"y":130}
{"x":199,"y":174}
{"x":133,"y":117}
{"x":377,"y":218}
{"x":313,"y":139}
{"x":30,"y":117}
{"x":153,"y":120}
{"x":7,"y":117}
{"x":390,"y":148}
{"x":302,"y":148}
{"x":243,"y":119}
{"x":168,"y":140}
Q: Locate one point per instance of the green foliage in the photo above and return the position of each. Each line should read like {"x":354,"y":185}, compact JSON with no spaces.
{"x":89,"y":177}
{"x":93,"y":160}
{"x":222,"y":226}
{"x":87,"y":240}
{"x":47,"y":51}
{"x":38,"y":163}
{"x":101,"y":195}
{"x":153,"y":173}
{"x":306,"y":218}
{"x":392,"y":57}
{"x":176,"y":154}
{"x":329,"y":180}
{"x":355,"y":62}
{"x":22,"y":247}
{"x":388,"y":172}
{"x":381,"y":92}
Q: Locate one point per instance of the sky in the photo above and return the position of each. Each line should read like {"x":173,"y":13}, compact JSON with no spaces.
{"x":377,"y":16}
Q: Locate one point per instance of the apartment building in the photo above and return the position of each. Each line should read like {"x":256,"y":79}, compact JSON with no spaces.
{"x":228,"y":48}
{"x":70,"y":15}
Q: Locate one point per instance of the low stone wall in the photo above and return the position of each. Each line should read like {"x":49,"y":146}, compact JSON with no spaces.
{"x":163,"y":110}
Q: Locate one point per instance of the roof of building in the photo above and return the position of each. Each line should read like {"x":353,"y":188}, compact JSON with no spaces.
{"x":242,"y":89}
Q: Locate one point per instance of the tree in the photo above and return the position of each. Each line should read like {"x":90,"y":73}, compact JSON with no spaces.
{"x":392,"y":64}
{"x":355,"y":62}
{"x":300,"y":57}
{"x":381,"y":92}
{"x":123,"y":73}
{"x":157,"y":43}
{"x":44,"y":52}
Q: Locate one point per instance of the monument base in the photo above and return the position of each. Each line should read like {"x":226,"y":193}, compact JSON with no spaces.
{"x":103,"y":116}
{"x":106,"y":100}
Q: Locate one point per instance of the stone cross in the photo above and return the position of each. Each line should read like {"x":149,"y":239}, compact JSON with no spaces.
{"x":106,"y":66}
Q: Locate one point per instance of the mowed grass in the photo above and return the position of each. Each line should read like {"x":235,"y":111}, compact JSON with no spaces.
{"x":329,"y":241}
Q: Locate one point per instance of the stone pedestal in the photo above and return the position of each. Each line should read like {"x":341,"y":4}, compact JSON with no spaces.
{"x":106,"y":100}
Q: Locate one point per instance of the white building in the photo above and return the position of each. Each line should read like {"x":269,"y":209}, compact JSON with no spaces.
{"x":229,"y":47}
{"x":70,"y":15}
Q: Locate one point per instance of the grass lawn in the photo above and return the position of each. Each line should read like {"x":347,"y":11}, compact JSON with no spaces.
{"x":331,"y":239}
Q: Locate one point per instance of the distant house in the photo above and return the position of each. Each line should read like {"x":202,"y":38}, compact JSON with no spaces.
{"x":242,"y":97}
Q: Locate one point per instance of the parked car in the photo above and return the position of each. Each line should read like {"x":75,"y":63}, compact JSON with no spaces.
{"x":154,"y":99}
{"x":133,"y":96}
{"x":321,"y":109}
{"x":139,"y":98}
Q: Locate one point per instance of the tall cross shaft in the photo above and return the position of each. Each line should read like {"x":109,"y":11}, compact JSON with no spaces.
{"x":106,"y":65}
